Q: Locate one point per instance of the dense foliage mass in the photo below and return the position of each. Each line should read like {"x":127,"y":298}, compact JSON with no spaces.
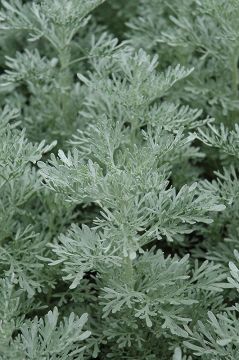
{"x":119,"y":203}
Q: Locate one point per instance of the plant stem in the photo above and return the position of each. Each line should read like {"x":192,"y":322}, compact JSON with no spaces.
{"x":235,"y":81}
{"x":235,"y":78}
{"x":129,"y":272}
{"x":64,"y":79}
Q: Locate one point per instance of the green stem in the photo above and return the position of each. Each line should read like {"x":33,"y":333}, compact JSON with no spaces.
{"x":86,"y":57}
{"x":235,"y":81}
{"x":77,"y":60}
{"x":48,"y":298}
{"x":129,"y":272}
{"x":65,"y":59}
{"x":235,"y":78}
{"x":64,"y":79}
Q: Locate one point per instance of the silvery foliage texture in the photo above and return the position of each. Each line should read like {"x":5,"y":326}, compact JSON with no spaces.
{"x":119,"y":183}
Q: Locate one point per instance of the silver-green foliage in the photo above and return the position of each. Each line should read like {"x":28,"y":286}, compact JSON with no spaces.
{"x":132,"y":220}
